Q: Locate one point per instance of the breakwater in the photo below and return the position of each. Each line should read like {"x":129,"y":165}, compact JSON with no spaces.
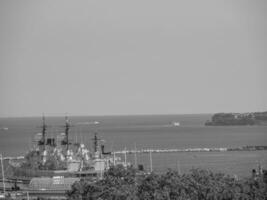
{"x":220,"y":149}
{"x":138,"y":151}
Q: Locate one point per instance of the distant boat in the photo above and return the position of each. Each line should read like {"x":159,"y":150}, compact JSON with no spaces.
{"x":4,"y":128}
{"x":176,"y":123}
{"x":88,"y":123}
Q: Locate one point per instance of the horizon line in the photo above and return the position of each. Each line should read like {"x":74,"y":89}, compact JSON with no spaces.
{"x":117,"y":115}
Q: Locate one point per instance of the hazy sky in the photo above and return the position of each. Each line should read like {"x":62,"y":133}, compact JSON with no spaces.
{"x":132,"y":57}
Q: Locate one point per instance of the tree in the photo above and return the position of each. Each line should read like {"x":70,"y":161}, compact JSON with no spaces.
{"x":121,"y":183}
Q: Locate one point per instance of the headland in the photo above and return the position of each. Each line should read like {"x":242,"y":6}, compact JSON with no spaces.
{"x":231,"y":119}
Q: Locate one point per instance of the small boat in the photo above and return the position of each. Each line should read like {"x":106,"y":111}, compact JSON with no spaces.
{"x":176,"y":123}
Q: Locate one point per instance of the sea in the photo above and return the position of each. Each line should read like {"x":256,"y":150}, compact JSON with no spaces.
{"x":149,"y":132}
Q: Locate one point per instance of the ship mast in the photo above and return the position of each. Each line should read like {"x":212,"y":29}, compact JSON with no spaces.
{"x":96,"y":146}
{"x":44,"y":127}
{"x":67,"y":128}
{"x":96,"y":143}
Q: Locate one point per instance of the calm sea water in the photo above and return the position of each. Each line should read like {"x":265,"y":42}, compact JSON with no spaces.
{"x":120,"y":132}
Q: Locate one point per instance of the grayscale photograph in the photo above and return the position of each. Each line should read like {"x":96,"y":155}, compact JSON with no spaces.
{"x":133,"y":100}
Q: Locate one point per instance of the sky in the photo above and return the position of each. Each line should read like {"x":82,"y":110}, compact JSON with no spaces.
{"x":132,"y":57}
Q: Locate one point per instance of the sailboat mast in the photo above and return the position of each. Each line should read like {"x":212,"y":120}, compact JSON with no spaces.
{"x":150,"y":157}
{"x":125,"y":157}
{"x":135,"y":157}
{"x":114,"y":158}
{"x":178,"y":167}
{"x":3,"y":174}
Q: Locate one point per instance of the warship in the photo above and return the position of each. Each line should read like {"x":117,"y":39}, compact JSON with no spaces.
{"x":54,"y":164}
